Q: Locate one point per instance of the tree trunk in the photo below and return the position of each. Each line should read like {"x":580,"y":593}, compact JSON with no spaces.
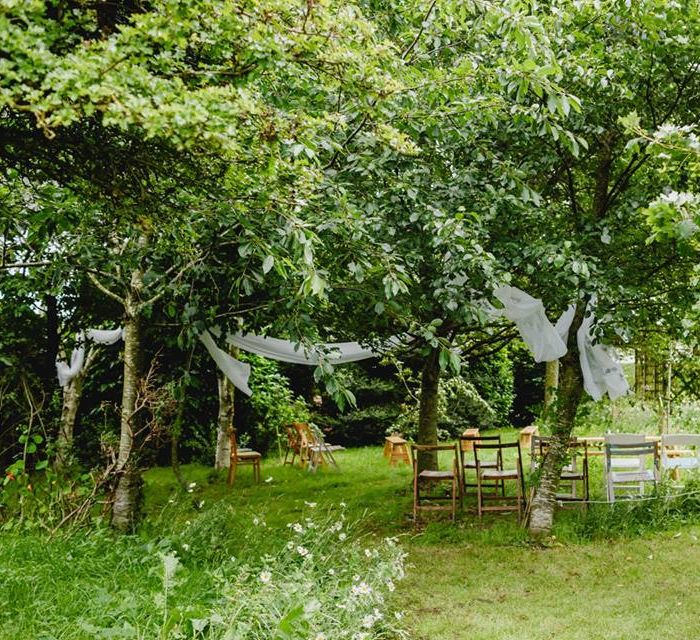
{"x":51,"y":343}
{"x":551,"y":385}
{"x":126,"y":496}
{"x":569,"y":398}
{"x":428,"y":415}
{"x":224,"y":423}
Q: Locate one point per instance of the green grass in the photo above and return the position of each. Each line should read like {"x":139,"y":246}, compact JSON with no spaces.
{"x":466,"y":580}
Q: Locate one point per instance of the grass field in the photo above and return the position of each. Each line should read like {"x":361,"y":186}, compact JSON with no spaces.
{"x":464,"y":580}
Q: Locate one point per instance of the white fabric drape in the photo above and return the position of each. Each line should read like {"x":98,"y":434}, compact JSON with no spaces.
{"x":105,"y":336}
{"x":600,"y":365}
{"x":283,"y":350}
{"x":67,"y":372}
{"x":543,"y":340}
{"x":236,"y":371}
{"x":288,"y":351}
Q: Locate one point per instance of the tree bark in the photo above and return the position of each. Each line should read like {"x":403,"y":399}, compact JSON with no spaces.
{"x":72,"y":394}
{"x":51,"y":343}
{"x":428,"y":414}
{"x":551,"y":385}
{"x":224,"y":423}
{"x":126,"y":497}
{"x":569,"y":398}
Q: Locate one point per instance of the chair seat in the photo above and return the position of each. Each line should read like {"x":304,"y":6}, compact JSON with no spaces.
{"x":247,"y":455}
{"x":572,"y":475}
{"x":504,"y":474}
{"x":645,"y":475}
{"x":436,"y":475}
{"x":681,"y":463}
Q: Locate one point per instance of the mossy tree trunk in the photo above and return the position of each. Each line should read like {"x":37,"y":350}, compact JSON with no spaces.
{"x":569,"y":398}
{"x":224,"y":422}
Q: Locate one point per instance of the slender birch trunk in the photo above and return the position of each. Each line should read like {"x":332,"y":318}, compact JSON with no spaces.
{"x":127,"y":493}
{"x":428,"y":414}
{"x":569,"y":398}
{"x":224,"y":423}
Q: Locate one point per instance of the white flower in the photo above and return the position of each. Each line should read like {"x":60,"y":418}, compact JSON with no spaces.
{"x":320,"y":636}
{"x":311,"y":505}
{"x":265,"y":576}
{"x":360,"y":635}
{"x":191,"y":485}
{"x":342,"y":536}
{"x":302,"y":551}
{"x":331,"y":572}
{"x":390,"y":585}
{"x":343,"y":505}
{"x":256,"y":521}
{"x":368,"y":621}
{"x":290,"y":545}
{"x":362,"y":589}
{"x":186,"y":547}
{"x":268,"y":480}
{"x":398,"y":615}
{"x":298,"y":528}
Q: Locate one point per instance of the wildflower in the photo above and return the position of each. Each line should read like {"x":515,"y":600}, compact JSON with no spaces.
{"x":320,"y":636}
{"x":331,"y":572}
{"x":268,"y":480}
{"x":343,"y":505}
{"x":360,"y":635}
{"x":311,"y":505}
{"x":265,"y":576}
{"x":398,"y":615}
{"x":342,"y":536}
{"x":191,"y":485}
{"x":362,"y":589}
{"x":298,"y":528}
{"x":390,"y":586}
{"x":185,"y":547}
{"x":171,"y":501}
{"x":368,"y":621}
{"x":302,"y":551}
{"x":290,"y":545}
{"x":256,"y":521}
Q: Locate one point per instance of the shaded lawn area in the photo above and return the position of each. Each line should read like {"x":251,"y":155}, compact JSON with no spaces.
{"x":464,"y":581}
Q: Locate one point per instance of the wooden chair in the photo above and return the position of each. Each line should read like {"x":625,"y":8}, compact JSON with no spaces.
{"x":241,"y":457}
{"x":679,"y":452}
{"x":314,"y":451}
{"x":433,"y":477}
{"x":503,"y":474}
{"x":467,"y":462}
{"x":293,"y":445}
{"x":574,"y":471}
{"x":627,"y":469}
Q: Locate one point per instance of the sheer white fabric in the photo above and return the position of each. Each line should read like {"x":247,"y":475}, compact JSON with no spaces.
{"x":105,"y":336}
{"x":66,"y":372}
{"x":288,"y":351}
{"x":236,"y":371}
{"x":543,"y":340}
{"x":600,"y":365}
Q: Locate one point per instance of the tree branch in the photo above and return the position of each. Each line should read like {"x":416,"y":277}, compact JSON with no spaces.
{"x":105,"y":290}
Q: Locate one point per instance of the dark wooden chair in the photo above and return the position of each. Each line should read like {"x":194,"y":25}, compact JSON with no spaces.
{"x":506,"y":472}
{"x":431,"y":478}
{"x":240,"y":457}
{"x":293,"y":445}
{"x":573,"y":473}
{"x":467,"y":461}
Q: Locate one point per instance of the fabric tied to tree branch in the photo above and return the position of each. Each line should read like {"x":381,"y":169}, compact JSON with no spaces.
{"x":236,"y":371}
{"x":282,"y":350}
{"x":543,"y":339}
{"x":67,"y":372}
{"x":600,"y":365}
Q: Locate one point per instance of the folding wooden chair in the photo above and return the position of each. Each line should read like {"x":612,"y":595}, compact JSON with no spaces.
{"x":573,"y":473}
{"x":627,"y":468}
{"x":502,"y":474}
{"x":432,"y":478}
{"x":467,"y":461}
{"x":241,"y":457}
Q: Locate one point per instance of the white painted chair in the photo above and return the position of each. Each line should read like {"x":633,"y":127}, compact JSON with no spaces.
{"x":630,"y":464}
{"x":680,"y":452}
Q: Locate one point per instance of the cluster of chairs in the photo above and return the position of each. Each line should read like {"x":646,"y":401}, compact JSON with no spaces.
{"x":634,"y":461}
{"x":305,"y":441}
{"x":478,"y":467}
{"x":484,"y":465}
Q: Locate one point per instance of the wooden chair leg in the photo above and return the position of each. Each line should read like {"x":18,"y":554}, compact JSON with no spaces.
{"x":415,"y":499}
{"x":478,"y":495}
{"x":454,"y":498}
{"x":231,"y":473}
